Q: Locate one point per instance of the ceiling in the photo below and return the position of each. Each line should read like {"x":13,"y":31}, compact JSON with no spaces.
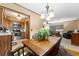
{"x":60,"y":10}
{"x":14,"y":16}
{"x":12,"y":13}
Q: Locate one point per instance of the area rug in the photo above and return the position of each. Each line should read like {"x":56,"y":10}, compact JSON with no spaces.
{"x":75,"y":53}
{"x":67,"y":52}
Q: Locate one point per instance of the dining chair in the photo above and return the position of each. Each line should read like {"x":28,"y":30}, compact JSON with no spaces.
{"x":54,"y":50}
{"x":7,"y":52}
{"x":17,"y":51}
{"x":21,"y":51}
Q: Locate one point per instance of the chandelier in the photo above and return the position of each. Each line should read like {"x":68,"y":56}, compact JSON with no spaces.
{"x":48,"y":15}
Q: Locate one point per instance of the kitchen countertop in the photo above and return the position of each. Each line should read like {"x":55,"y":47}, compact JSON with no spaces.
{"x":5,"y":33}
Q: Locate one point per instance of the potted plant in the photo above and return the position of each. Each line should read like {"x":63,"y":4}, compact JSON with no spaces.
{"x":43,"y":34}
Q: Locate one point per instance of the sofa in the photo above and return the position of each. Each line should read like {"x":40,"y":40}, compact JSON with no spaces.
{"x":68,"y":34}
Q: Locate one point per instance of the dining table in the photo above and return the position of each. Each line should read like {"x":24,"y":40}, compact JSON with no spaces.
{"x":40,"y":48}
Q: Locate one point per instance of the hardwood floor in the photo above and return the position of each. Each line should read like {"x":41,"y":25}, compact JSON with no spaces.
{"x":75,"y":53}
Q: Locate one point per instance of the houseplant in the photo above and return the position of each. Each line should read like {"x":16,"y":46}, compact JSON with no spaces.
{"x":43,"y":34}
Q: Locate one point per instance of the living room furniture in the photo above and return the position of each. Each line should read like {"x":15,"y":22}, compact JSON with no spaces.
{"x":41,"y":48}
{"x":75,"y":38}
{"x":68,"y":34}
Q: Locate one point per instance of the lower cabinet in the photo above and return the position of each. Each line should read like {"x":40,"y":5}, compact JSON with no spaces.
{"x":75,"y":39}
{"x":24,"y":35}
{"x":5,"y":45}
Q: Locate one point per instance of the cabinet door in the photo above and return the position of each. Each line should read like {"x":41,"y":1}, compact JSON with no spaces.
{"x":75,"y":38}
{"x":8,"y":43}
{"x":5,"y":45}
{"x":2,"y":45}
{"x":1,"y":15}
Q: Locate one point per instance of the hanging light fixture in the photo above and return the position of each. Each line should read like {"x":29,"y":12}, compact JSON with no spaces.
{"x":18,"y":16}
{"x":42,"y":16}
{"x":48,"y":15}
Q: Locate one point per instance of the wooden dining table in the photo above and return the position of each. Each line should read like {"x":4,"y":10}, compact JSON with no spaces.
{"x":40,"y":48}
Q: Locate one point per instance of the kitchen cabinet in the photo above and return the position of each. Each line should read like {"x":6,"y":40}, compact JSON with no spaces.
{"x":5,"y":44}
{"x":1,"y":15}
{"x":9,"y":16}
{"x":75,"y":39}
{"x":24,"y":35}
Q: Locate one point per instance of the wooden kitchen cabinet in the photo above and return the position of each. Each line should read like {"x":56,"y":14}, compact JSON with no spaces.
{"x":1,"y":15}
{"x":75,"y":39}
{"x":24,"y":35}
{"x":5,"y":45}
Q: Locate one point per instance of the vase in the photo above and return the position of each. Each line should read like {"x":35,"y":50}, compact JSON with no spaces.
{"x":42,"y":39}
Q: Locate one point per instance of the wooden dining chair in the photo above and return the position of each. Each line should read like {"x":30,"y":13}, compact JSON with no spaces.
{"x":17,"y":51}
{"x":54,"y":50}
{"x":20,"y":51}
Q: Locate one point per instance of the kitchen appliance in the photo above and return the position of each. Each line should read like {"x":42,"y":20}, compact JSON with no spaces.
{"x":16,"y":30}
{"x":2,"y":29}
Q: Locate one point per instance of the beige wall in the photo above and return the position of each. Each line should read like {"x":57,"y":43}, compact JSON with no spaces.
{"x":35,"y":22}
{"x":71,"y":25}
{"x":78,"y":25}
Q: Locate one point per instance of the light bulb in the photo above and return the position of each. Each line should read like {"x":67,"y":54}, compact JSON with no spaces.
{"x":48,"y":18}
{"x":51,"y":15}
{"x":18,"y":18}
{"x":42,"y":16}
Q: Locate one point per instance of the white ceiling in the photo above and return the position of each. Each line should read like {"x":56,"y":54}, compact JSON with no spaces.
{"x":60,"y":10}
{"x":14,"y":14}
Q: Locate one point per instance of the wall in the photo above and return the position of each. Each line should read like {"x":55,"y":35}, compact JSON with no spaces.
{"x":78,"y":25}
{"x":35,"y":22}
{"x":71,"y":25}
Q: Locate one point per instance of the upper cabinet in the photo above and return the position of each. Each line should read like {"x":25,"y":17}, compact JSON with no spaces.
{"x":1,"y":15}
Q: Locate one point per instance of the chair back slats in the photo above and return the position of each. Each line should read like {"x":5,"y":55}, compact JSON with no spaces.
{"x":18,"y":51}
{"x":23,"y":51}
{"x":54,"y":50}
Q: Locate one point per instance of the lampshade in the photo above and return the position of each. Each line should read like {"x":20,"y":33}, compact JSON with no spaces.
{"x":51,"y":15}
